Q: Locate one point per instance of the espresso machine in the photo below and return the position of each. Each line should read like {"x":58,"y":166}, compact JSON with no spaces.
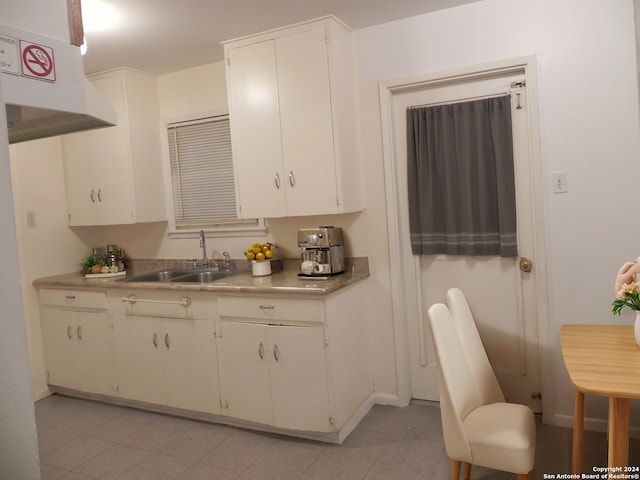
{"x":322,"y":252}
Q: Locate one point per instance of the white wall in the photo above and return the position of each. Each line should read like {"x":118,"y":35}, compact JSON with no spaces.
{"x":18,"y":438}
{"x":588,"y":98}
{"x":48,"y":248}
{"x":44,"y":18}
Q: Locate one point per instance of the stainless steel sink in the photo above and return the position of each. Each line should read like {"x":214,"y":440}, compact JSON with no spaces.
{"x":161,"y":276}
{"x":186,"y":276}
{"x":203,"y":276}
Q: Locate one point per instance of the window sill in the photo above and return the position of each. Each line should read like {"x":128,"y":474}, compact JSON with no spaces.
{"x":220,"y":232}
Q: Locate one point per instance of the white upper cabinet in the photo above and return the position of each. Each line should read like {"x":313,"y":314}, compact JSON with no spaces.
{"x":113,"y":175}
{"x":293,"y":105}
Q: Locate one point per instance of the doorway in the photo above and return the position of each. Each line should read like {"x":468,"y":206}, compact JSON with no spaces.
{"x":505,"y":299}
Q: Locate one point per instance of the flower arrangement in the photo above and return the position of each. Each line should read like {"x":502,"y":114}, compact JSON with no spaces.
{"x":627,"y":296}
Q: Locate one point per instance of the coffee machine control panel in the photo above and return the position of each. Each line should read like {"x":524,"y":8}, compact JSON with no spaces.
{"x":319,"y":237}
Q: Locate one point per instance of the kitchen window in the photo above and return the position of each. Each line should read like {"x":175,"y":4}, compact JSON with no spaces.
{"x":201,"y":179}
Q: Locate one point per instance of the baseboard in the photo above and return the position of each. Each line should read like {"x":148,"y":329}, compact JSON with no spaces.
{"x":388,"y":399}
{"x":355,"y":419}
{"x":590,"y":423}
{"x":41,"y":394}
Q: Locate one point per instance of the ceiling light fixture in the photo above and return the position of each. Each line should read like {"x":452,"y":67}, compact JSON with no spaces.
{"x":97,"y":15}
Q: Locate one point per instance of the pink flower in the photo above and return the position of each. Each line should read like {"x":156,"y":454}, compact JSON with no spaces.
{"x":626,"y":289}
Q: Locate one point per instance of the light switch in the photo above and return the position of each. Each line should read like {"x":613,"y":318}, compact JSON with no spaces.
{"x":31,"y":218}
{"x":559,"y":182}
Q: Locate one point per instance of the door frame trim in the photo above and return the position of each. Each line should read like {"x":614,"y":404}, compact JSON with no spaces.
{"x":402,"y":269}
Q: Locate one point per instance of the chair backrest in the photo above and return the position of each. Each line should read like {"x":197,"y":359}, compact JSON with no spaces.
{"x":474,"y":351}
{"x":459,"y":393}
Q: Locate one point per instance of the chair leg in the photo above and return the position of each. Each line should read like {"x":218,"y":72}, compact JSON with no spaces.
{"x":455,"y":470}
{"x":467,"y":471}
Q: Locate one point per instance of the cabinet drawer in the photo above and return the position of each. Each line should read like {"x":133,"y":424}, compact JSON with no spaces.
{"x":73,"y":299}
{"x":269,"y":309}
{"x":163,"y":303}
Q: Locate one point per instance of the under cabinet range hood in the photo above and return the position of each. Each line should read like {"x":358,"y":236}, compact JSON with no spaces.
{"x":44,"y":88}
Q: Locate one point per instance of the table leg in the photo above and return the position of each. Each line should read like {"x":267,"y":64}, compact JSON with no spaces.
{"x":578,"y":428}
{"x":618,"y":431}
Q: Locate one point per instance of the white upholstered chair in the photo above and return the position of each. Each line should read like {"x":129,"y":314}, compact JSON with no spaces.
{"x":477,"y":431}
{"x":474,"y":351}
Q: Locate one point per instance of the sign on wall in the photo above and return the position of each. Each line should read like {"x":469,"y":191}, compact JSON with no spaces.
{"x":37,"y":61}
{"x":9,"y":62}
{"x":27,"y":59}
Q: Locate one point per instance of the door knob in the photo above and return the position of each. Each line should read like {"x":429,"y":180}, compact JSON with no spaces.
{"x":525,"y":264}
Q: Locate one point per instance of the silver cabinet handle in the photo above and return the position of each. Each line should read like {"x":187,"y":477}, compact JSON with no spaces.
{"x":276,"y":353}
{"x":100,"y":195}
{"x":292,"y":179}
{"x":92,"y":195}
{"x":69,"y":298}
{"x":166,"y":340}
{"x":276,"y":181}
{"x":79,"y":332}
{"x":267,"y":308}
{"x":261,"y":351}
{"x":132,"y":299}
{"x":69,"y":332}
{"x":155,"y":340}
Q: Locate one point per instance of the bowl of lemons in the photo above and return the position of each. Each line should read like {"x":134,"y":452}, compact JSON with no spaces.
{"x":260,"y":255}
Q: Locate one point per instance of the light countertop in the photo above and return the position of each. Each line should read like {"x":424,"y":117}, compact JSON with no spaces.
{"x":286,"y":281}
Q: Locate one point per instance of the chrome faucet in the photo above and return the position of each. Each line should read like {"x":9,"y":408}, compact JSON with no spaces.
{"x":227,"y":261}
{"x":203,"y":246}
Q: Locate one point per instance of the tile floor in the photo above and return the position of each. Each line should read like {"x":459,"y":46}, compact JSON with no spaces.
{"x":86,"y":440}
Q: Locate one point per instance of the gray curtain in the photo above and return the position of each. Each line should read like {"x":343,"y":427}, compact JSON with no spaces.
{"x":461,"y":178}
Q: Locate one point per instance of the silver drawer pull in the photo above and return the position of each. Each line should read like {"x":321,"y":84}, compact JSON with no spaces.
{"x":184,"y":301}
{"x":276,"y":181}
{"x":69,"y":332}
{"x":276,"y":353}
{"x":166,"y":340}
{"x":93,"y":196}
{"x":292,"y":179}
{"x":155,"y":340}
{"x":267,"y":308}
{"x":69,"y":298}
{"x":79,"y":332}
{"x":261,"y":351}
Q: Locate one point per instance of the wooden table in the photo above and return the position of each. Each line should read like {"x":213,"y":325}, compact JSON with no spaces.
{"x":602,"y":360}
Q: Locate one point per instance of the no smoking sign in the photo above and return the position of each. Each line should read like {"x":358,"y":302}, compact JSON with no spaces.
{"x":37,"y":61}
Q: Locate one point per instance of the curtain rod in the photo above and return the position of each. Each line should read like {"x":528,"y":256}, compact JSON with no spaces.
{"x":462,"y":100}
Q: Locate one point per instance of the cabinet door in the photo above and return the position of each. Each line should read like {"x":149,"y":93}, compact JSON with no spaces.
{"x":245,"y":358}
{"x":93,"y":335}
{"x":139,"y":358}
{"x":81,"y":191}
{"x":255,"y":130}
{"x":191,"y":367}
{"x":59,"y":349}
{"x":299,"y":383}
{"x":111,"y":158}
{"x":307,"y":123}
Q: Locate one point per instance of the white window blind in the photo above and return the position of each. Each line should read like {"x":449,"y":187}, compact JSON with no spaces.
{"x":202,"y":173}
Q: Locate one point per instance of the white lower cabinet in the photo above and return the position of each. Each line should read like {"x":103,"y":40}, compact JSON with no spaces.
{"x":298,"y":365}
{"x":78,"y":341}
{"x":166,"y":353}
{"x":276,"y":375}
{"x":295,"y":363}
